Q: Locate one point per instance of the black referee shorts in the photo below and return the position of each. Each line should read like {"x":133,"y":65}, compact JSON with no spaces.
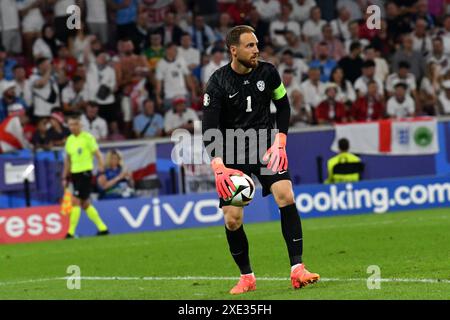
{"x":82,"y":184}
{"x":265,"y":176}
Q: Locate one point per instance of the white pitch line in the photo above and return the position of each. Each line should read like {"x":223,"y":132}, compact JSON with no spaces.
{"x":199,"y":278}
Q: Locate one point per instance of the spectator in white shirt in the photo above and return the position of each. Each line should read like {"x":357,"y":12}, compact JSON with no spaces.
{"x":46,"y":45}
{"x":439,"y":57}
{"x":179,"y":117}
{"x":44,"y":83}
{"x":353,"y":28}
{"x":430,"y":88}
{"x":32,"y":22}
{"x":97,"y":18}
{"x":402,"y":75}
{"x":443,"y":101}
{"x":421,"y":40}
{"x":224,"y":24}
{"x":312,"y":28}
{"x":313,"y":89}
{"x":202,"y":34}
{"x":368,"y":73}
{"x":345,"y":92}
{"x":356,"y":8}
{"x":280,"y":26}
{"x":290,"y":83}
{"x":173,"y":76}
{"x":401,"y":105}
{"x":267,"y":9}
{"x":217,"y":61}
{"x":102,"y":83}
{"x":301,"y":9}
{"x":9,"y":19}
{"x":74,"y":97}
{"x":94,"y":124}
{"x":190,"y":54}
{"x":23,"y":85}
{"x":299,"y":47}
{"x":381,"y":66}
{"x":444,"y":33}
{"x":297,"y":66}
{"x":341,"y":24}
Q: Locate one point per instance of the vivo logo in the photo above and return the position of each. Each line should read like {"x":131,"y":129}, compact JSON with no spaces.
{"x":158,"y":209}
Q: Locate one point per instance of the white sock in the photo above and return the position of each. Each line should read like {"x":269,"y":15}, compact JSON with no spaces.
{"x":295,"y":266}
{"x":248,"y":274}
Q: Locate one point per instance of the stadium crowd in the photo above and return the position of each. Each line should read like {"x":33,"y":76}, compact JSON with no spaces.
{"x":137,"y":68}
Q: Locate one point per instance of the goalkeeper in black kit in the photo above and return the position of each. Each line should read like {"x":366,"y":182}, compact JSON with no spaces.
{"x":237,"y":99}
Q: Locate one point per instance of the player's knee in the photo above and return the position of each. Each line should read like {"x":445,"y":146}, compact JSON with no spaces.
{"x":85,"y":204}
{"x":233,"y":224}
{"x":233,"y":220}
{"x":284,"y":199}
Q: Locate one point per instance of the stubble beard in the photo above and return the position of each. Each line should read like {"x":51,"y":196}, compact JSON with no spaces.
{"x":249,"y":63}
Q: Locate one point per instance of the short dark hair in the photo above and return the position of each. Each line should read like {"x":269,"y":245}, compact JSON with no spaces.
{"x":75,"y":115}
{"x":92,"y":103}
{"x":170,"y":45}
{"x":234,"y":35}
{"x":344,"y":144}
{"x":401,"y":85}
{"x":288,"y":52}
{"x":368,"y":64}
{"x":404,"y":64}
{"x":18,"y":66}
{"x":438,"y":38}
{"x":76,"y":79}
{"x":41,"y":60}
{"x":355,"y":45}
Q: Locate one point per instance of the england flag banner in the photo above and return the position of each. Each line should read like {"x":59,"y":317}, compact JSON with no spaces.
{"x":414,"y":136}
{"x":141,"y":161}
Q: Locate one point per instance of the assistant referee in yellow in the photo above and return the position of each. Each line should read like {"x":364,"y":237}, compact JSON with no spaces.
{"x":81,"y":147}
{"x":344,"y":156}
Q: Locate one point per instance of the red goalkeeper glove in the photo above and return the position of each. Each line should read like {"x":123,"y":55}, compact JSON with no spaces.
{"x":222,"y":175}
{"x":277,"y":154}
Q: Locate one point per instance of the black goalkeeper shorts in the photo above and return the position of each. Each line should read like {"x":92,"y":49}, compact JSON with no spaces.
{"x":265,"y":176}
{"x":82,"y":184}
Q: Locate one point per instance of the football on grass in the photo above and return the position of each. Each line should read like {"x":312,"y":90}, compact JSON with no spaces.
{"x":245,"y":190}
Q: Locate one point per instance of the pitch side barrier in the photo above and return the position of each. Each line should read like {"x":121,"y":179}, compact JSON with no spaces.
{"x":202,"y":210}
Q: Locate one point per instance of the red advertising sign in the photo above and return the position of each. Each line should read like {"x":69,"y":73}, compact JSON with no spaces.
{"x":32,"y":224}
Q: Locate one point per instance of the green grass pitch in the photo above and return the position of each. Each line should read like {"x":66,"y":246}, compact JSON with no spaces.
{"x":412,"y":250}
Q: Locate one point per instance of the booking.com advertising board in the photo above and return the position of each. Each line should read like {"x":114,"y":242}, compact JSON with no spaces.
{"x":201,"y":210}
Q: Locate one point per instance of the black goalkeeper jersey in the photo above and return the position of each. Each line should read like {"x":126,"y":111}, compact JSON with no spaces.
{"x":240,"y":101}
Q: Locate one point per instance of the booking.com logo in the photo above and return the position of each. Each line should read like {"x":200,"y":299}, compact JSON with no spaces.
{"x":379,"y":200}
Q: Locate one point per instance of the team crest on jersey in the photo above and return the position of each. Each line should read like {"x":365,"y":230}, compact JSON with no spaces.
{"x":261,"y":85}
{"x":206,"y":100}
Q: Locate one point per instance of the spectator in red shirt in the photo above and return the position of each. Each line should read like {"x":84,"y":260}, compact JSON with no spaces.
{"x":368,"y":107}
{"x":66,"y":61}
{"x":239,"y":10}
{"x":330,"y":110}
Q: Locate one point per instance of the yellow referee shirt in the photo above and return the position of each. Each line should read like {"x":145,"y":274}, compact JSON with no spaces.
{"x":344,"y":157}
{"x":81,"y":150}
